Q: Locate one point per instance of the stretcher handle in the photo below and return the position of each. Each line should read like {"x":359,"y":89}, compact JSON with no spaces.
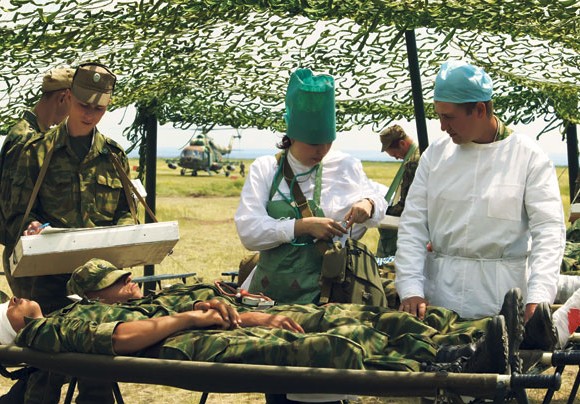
{"x":565,"y":358}
{"x":526,"y":381}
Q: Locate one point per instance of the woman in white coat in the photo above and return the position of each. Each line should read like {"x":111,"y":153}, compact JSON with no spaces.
{"x":484,"y":213}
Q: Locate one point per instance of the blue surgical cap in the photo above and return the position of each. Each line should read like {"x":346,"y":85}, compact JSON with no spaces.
{"x":310,"y":108}
{"x":459,"y":82}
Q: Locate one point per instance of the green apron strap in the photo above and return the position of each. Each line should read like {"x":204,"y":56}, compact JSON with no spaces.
{"x":399,"y":175}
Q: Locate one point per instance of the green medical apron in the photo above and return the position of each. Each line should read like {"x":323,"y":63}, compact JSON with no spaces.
{"x":289,"y":273}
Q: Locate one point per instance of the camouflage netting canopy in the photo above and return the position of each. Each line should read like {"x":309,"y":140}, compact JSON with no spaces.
{"x":226,"y":62}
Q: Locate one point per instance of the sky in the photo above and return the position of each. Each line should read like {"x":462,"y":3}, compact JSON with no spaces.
{"x":365,"y":139}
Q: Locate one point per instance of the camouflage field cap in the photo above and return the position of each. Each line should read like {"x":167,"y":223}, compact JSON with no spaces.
{"x":57,"y":79}
{"x":390,"y":135}
{"x":93,"y":83}
{"x":310,"y":108}
{"x":96,"y":274}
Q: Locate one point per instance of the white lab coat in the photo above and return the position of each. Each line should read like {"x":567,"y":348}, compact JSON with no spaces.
{"x":344,"y":182}
{"x":493,"y":213}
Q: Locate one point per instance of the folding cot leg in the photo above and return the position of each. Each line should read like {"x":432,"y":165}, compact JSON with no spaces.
{"x":574,"y":390}
{"x":550,"y":392}
{"x":73,"y":384}
{"x":71,"y":390}
{"x":117,"y":393}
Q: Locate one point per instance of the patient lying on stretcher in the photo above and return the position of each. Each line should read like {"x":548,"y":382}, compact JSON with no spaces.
{"x":195,"y":323}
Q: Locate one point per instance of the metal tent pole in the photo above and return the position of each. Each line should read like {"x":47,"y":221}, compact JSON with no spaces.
{"x":572,"y":143}
{"x":417,"y":90}
{"x":150,"y":181}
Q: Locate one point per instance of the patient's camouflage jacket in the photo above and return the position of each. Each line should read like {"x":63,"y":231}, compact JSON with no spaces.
{"x":344,"y":336}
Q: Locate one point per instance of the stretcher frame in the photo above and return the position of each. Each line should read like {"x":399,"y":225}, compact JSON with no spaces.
{"x":209,"y":377}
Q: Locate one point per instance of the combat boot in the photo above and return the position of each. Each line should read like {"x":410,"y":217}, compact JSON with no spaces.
{"x":452,"y":353}
{"x":513,"y":312}
{"x":488,"y":355}
{"x":492,"y":350}
{"x":567,"y":319}
{"x":539,"y":331}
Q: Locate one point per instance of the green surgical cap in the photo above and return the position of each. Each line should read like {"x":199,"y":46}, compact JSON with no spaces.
{"x":459,"y":82}
{"x":310,"y":108}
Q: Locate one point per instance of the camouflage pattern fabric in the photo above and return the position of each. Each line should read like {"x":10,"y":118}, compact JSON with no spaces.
{"x":17,"y":137}
{"x":387,"y":244}
{"x":74,"y":194}
{"x":570,"y":262}
{"x":337,"y":335}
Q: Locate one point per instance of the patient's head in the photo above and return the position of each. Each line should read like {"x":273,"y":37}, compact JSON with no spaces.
{"x":12,"y":315}
{"x":100,"y":280}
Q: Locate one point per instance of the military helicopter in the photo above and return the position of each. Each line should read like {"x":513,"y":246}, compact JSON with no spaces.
{"x":203,"y":154}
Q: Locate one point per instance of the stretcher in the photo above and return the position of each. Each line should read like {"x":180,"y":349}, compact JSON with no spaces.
{"x":241,"y":378}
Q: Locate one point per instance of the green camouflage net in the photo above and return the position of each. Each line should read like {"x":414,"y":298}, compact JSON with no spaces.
{"x":225,"y":62}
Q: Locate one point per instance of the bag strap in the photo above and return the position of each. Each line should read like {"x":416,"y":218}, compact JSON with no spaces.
{"x":36,"y":188}
{"x":299,"y":198}
{"x":399,"y":175}
{"x":130,"y":189}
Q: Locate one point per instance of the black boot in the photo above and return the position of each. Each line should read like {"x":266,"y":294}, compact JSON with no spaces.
{"x":488,"y":355}
{"x":491,"y":353}
{"x":539,"y":331}
{"x":513,"y":312}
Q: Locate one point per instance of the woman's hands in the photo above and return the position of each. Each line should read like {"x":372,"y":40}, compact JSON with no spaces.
{"x":360,"y":212}
{"x":321,"y":228}
{"x":324,"y":228}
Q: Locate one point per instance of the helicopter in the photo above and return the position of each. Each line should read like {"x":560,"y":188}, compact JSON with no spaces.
{"x":203,"y":154}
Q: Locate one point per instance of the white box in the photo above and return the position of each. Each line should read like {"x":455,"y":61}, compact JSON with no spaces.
{"x":60,"y":251}
{"x":390,"y":222}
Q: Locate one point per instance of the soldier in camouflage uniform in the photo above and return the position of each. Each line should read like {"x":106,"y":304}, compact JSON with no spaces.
{"x":410,"y":341}
{"x":81,"y":189}
{"x":343,"y":336}
{"x":51,"y":109}
{"x":397,"y":144}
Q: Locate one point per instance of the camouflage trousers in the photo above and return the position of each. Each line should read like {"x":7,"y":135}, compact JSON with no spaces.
{"x":387,"y":245}
{"x":341,"y":336}
{"x":570,"y":262}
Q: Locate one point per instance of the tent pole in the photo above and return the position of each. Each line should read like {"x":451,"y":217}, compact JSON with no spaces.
{"x":417,"y":90}
{"x":572,"y":143}
{"x":150,"y":181}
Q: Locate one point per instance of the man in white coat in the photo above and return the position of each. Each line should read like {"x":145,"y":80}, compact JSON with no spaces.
{"x":484,"y":213}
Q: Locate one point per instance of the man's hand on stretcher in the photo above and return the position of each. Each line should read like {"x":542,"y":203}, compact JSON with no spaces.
{"x":259,"y":319}
{"x":415,"y":305}
{"x":230,"y":316}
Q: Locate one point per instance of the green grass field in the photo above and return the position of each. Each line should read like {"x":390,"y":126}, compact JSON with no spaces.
{"x":204,"y":206}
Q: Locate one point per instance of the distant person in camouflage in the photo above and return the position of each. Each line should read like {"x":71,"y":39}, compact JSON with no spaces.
{"x":82,"y":187}
{"x":51,"y":109}
{"x":398,"y":145}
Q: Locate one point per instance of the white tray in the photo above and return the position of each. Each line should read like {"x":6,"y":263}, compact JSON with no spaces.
{"x":61,"y":251}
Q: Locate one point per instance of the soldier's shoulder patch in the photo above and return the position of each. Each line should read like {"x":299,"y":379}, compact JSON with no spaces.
{"x":21,"y":128}
{"x":114,"y":144}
